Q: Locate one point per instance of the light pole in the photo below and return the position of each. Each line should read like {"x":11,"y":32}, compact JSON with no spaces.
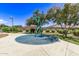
{"x":12,"y":22}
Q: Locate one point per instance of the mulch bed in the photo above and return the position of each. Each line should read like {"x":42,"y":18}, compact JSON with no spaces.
{"x":3,"y":35}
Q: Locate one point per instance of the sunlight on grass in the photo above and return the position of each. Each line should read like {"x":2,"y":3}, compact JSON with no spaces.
{"x":70,"y":39}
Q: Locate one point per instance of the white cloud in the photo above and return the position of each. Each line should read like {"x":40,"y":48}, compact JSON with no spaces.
{"x":2,"y":21}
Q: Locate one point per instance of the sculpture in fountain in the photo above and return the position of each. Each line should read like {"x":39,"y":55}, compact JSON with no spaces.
{"x":38,"y":37}
{"x":39,"y":22}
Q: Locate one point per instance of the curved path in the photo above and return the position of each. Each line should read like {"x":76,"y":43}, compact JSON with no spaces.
{"x":9,"y":47}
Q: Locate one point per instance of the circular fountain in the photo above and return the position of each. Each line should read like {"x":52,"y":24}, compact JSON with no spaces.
{"x":38,"y":37}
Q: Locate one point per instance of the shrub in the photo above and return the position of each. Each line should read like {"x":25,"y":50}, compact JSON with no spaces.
{"x":9,"y":29}
{"x":47,"y":30}
{"x":60,"y":31}
{"x":6,"y":29}
{"x":27,"y":31}
{"x":76,"y":32}
{"x":16,"y":29}
{"x":70,"y":31}
{"x":53,"y":31}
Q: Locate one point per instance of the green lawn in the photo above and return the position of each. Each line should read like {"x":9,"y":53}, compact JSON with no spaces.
{"x":71,"y":38}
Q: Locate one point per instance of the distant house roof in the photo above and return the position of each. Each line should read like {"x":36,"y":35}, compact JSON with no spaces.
{"x":30,"y":27}
{"x":49,"y":27}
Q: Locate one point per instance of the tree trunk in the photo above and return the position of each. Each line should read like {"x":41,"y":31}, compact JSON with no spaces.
{"x":65,"y":31}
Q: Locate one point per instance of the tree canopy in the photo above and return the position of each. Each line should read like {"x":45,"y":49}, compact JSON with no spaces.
{"x":67,"y":16}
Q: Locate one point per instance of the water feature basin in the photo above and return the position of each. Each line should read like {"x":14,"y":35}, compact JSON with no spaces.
{"x":36,"y":39}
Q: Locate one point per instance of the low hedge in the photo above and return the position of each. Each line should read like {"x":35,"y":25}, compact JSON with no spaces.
{"x":9,"y":29}
{"x":60,"y":31}
{"x":47,"y":31}
{"x":70,"y":31}
{"x":76,"y":32}
{"x":6,"y":29}
{"x":53,"y":31}
{"x":50,"y":31}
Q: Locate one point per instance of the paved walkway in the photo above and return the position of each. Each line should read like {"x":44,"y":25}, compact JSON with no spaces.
{"x":9,"y":47}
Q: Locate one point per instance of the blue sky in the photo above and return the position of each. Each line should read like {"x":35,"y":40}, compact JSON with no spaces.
{"x":22,"y":11}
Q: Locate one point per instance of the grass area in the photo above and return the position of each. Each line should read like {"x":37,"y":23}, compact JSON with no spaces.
{"x":69,"y":38}
{"x":3,"y":35}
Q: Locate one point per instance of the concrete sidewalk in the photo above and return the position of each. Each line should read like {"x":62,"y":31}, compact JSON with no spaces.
{"x":9,"y":47}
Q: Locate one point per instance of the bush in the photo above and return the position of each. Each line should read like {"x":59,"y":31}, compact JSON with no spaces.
{"x":6,"y":29}
{"x":76,"y":32}
{"x":16,"y":29}
{"x":53,"y":31}
{"x":60,"y":31}
{"x":9,"y":29}
{"x":70,"y":31}
{"x":27,"y":31}
{"x":47,"y":30}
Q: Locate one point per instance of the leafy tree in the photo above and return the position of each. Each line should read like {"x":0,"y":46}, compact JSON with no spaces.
{"x":38,"y":19}
{"x":3,"y":25}
{"x":6,"y":29}
{"x":64,"y":17}
{"x":17,"y":28}
{"x":31,"y":20}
